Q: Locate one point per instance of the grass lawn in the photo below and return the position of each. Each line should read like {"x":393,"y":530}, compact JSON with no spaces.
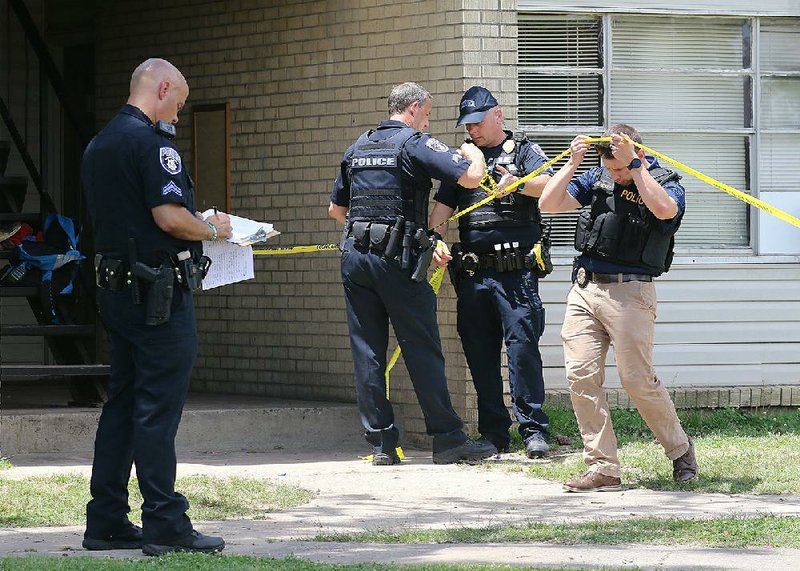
{"x":765,"y":531}
{"x":61,"y":499}
{"x":740,"y":452}
{"x":5,"y":464}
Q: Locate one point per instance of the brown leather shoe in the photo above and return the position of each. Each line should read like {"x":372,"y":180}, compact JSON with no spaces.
{"x":594,"y":482}
{"x":685,"y":468}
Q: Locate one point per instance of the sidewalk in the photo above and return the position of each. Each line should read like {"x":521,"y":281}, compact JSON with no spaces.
{"x":355,"y":496}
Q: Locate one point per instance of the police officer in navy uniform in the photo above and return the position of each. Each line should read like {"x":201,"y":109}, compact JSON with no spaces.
{"x":626,"y":239}
{"x":147,"y":237}
{"x":381,"y":195}
{"x":495,"y":278}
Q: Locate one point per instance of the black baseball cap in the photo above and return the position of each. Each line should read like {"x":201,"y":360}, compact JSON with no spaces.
{"x":474,"y":105}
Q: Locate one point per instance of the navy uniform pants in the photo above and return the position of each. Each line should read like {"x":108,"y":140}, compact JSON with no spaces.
{"x":496,"y":307}
{"x":377,"y":291}
{"x":150,"y":372}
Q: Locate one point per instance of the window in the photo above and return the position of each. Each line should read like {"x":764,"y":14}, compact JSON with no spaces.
{"x":687,"y":83}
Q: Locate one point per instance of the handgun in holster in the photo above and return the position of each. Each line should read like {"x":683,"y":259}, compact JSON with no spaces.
{"x":159,"y":293}
{"x":427,"y":246}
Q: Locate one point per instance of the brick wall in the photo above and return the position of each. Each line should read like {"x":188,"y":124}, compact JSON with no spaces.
{"x":303,"y":80}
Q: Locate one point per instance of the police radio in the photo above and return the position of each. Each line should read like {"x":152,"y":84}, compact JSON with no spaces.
{"x":165,"y":129}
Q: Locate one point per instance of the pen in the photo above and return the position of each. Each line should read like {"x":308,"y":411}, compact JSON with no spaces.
{"x":215,"y":210}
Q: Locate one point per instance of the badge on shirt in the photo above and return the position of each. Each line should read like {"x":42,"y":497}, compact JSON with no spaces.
{"x":509,"y":145}
{"x":436,"y":145}
{"x":170,"y":160}
{"x":170,"y":188}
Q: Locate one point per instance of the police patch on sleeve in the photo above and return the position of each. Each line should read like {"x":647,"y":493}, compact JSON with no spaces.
{"x":436,"y":145}
{"x":538,"y":150}
{"x":170,"y":160}
{"x":171,"y":188}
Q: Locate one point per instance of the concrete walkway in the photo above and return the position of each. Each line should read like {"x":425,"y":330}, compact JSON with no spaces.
{"x":354,"y":496}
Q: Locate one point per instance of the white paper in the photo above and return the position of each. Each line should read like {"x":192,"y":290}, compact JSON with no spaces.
{"x":229,"y":263}
{"x":246,"y":231}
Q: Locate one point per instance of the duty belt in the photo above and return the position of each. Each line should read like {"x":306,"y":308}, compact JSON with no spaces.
{"x":116,"y":275}
{"x":506,"y":257}
{"x":403,"y":242}
{"x":582,"y":276}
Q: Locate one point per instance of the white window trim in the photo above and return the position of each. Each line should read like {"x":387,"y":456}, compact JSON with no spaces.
{"x":734,"y":254}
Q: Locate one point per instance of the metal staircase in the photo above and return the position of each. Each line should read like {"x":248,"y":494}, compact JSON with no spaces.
{"x":71,"y":339}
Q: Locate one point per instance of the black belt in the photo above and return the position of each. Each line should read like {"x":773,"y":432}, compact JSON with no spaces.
{"x":507,"y":258}
{"x":619,"y":278}
{"x":114,"y":275}
{"x":582,"y":276}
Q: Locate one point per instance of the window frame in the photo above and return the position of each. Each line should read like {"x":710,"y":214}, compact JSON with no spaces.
{"x":751,"y":134}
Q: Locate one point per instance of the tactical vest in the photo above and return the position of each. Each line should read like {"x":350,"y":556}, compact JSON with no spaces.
{"x":514,"y":210}
{"x":379,"y":191}
{"x":624,"y":231}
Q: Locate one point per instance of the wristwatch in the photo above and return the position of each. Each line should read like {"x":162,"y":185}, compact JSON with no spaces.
{"x":635,"y":163}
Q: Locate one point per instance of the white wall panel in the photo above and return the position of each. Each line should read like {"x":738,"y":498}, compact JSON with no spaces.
{"x":717,"y":325}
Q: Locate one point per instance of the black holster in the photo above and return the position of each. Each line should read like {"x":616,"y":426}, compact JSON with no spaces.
{"x":158,"y":303}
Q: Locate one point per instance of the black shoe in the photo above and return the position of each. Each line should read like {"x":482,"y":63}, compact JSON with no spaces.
{"x":501,"y":448}
{"x":131,"y":538}
{"x":195,"y":541}
{"x":536,"y":446}
{"x":384,"y":459}
{"x":468,"y":451}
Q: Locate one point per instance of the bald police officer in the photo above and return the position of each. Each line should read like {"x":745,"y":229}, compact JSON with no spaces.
{"x":147,"y":238}
{"x":381,"y":195}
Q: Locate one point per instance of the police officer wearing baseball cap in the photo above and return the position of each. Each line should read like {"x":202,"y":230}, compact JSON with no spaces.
{"x":494,"y":275}
{"x":381,"y":195}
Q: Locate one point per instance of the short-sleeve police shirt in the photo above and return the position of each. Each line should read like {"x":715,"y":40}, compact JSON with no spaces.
{"x":530,"y":158}
{"x":423,"y":158}
{"x":580,"y":189}
{"x":127,"y":170}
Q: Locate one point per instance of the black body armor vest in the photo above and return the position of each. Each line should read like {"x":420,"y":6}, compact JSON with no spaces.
{"x":379,"y":191}
{"x":619,"y":227}
{"x":514,"y":210}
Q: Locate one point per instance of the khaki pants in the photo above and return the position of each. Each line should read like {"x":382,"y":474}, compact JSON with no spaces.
{"x":621,"y":314}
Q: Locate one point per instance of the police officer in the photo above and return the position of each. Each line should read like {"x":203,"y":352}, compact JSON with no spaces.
{"x":494,"y":275}
{"x":626,"y":239}
{"x":147,"y":238}
{"x":381,"y":194}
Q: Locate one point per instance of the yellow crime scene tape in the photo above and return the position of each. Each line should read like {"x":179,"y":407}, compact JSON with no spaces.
{"x":490,"y":186}
{"x":295,"y":250}
{"x":743,"y":196}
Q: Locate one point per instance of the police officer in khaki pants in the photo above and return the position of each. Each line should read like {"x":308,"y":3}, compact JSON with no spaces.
{"x":626,"y":239}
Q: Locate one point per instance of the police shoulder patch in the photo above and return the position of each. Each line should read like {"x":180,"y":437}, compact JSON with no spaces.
{"x":171,"y":188}
{"x":170,"y":160}
{"x":538,"y":150}
{"x":436,"y":145}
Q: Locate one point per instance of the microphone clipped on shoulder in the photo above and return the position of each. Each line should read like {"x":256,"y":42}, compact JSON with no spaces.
{"x":165,"y":129}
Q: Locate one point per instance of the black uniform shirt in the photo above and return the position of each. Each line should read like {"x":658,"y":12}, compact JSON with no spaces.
{"x":128,"y":169}
{"x":530,"y":158}
{"x":423,"y":158}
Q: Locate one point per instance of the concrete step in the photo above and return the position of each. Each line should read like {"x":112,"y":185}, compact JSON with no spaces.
{"x":211,"y":423}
